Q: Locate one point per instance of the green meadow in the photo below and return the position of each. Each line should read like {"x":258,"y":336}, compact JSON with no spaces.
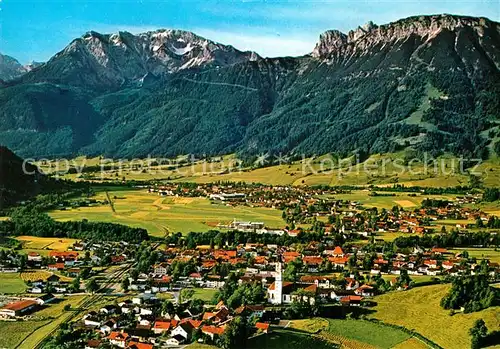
{"x":378,"y":169}
{"x":159,"y":215}
{"x":11,"y":283}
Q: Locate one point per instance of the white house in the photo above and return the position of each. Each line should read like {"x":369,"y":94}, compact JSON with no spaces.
{"x":176,"y":340}
{"x":92,"y":322}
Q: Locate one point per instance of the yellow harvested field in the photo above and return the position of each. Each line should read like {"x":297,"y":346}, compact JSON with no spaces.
{"x":182,"y":201}
{"x":309,"y":325}
{"x":35,"y":275}
{"x":40,"y":243}
{"x":139,"y":214}
{"x":405,"y":203}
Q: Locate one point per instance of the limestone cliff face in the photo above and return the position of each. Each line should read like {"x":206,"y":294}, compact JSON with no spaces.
{"x":478,"y":33}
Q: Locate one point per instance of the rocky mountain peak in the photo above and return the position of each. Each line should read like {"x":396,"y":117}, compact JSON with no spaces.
{"x":329,"y":41}
{"x":10,"y":68}
{"x":124,"y":57}
{"x":371,"y":34}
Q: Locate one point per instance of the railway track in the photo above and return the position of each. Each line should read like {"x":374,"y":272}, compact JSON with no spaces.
{"x":114,"y":278}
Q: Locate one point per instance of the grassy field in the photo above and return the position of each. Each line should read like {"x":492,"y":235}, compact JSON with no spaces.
{"x":285,"y":339}
{"x":205,"y":294}
{"x":13,"y":333}
{"x":405,"y":200}
{"x":138,"y":208}
{"x":11,"y":283}
{"x":480,"y":253}
{"x":385,"y":169}
{"x":418,"y":309}
{"x":44,"y":245}
{"x":41,"y":243}
{"x":418,"y":279}
{"x":26,"y":334}
{"x":367,"y":332}
{"x":353,"y":333}
{"x":57,"y":315}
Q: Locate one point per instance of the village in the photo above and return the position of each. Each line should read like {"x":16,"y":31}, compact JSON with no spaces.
{"x":329,"y":259}
{"x":156,"y":306}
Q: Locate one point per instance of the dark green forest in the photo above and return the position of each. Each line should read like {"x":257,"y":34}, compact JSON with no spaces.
{"x":30,"y":221}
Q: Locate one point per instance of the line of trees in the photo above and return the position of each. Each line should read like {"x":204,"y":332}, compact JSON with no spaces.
{"x":491,"y":194}
{"x":472,"y":293}
{"x":452,"y":239}
{"x":231,"y":238}
{"x":30,"y":221}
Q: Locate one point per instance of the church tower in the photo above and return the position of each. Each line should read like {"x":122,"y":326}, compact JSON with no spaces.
{"x":278,"y":284}
{"x":275,"y":290}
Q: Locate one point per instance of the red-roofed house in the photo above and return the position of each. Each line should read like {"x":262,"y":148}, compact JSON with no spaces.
{"x":119,"y":339}
{"x":18,"y":308}
{"x":161,"y":327}
{"x":338,"y":252}
{"x":212,"y":331}
{"x":63,"y":255}
{"x":138,"y":345}
{"x":352,"y":301}
{"x":437,"y":250}
{"x":262,"y":327}
{"x":365,"y":291}
{"x":448,"y":265}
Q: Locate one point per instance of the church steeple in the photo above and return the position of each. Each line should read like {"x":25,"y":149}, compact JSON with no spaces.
{"x":278,"y":284}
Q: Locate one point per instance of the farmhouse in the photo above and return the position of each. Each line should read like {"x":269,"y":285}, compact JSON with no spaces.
{"x":18,"y":308}
{"x":211,"y":331}
{"x":47,"y":298}
{"x":63,"y":256}
{"x":34,"y":257}
{"x":176,"y":340}
{"x":118,"y":338}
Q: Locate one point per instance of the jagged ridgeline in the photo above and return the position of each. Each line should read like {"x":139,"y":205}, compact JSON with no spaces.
{"x":431,"y":83}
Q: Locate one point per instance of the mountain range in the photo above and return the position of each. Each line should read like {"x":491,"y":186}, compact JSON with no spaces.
{"x":427,"y":83}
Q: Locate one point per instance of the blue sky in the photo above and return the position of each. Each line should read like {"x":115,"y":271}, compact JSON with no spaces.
{"x":37,"y":29}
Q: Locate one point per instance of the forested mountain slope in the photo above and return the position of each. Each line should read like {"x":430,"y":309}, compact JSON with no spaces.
{"x":429,"y":82}
{"x":17,"y":180}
